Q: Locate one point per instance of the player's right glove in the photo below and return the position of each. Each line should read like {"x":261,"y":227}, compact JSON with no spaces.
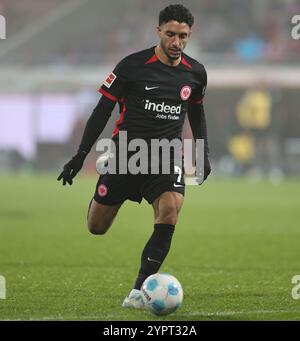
{"x":72,"y":168}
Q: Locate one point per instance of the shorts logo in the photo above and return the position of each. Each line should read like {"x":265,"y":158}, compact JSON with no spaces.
{"x":102,"y":190}
{"x":185,"y":92}
{"x":109,"y":80}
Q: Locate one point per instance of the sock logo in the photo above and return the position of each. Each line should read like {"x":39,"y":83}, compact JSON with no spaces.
{"x":153,"y":260}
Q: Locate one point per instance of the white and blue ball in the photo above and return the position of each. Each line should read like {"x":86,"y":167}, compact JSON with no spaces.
{"x":162,"y":293}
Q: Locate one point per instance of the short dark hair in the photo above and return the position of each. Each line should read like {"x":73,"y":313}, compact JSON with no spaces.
{"x":178,"y":13}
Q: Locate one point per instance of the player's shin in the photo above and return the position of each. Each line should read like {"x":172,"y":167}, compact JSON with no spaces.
{"x":155,"y":252}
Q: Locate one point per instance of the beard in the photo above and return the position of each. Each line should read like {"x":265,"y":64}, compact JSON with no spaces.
{"x":175,"y":56}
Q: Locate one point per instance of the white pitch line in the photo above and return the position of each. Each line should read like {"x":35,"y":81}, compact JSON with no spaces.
{"x":232,"y":313}
{"x":195,"y":313}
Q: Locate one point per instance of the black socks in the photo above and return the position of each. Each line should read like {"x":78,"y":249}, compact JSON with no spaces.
{"x":155,"y":252}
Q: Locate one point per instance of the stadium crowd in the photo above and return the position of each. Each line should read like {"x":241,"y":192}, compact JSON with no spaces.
{"x":228,"y":31}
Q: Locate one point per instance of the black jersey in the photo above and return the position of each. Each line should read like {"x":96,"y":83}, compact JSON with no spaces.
{"x":153,"y":97}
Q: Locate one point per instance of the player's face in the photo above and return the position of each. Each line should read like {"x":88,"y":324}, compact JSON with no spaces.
{"x":173,"y":38}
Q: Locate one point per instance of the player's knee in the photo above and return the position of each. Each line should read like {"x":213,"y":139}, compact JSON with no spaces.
{"x":97,"y":228}
{"x":168,"y":219}
{"x":168,"y":215}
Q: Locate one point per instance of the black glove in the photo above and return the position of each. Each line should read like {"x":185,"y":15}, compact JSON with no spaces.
{"x":72,"y":168}
{"x":207,"y":170}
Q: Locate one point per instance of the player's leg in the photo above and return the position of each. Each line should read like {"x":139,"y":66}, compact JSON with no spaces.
{"x":111,"y":191}
{"x":165,"y":192}
{"x":166,"y":209}
{"x":100,"y":217}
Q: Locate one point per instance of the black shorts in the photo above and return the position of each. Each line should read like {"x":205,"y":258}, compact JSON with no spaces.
{"x":113,"y":189}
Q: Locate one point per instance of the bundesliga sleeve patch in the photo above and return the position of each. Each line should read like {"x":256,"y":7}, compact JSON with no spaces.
{"x":109,"y":80}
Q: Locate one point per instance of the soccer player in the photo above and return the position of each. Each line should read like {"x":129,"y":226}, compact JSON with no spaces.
{"x":155,"y":89}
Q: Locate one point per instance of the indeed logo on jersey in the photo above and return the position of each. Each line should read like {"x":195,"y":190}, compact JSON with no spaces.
{"x":163,"y":108}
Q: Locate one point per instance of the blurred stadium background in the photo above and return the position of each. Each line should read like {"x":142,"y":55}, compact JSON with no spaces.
{"x":242,"y":236}
{"x":57,"y":53}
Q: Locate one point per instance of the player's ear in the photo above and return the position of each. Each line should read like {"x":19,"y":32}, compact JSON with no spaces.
{"x":190,"y":34}
{"x":158,"y":30}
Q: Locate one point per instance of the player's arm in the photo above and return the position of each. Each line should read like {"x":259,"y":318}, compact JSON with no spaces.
{"x":94,"y":127}
{"x":198,"y":125}
{"x":112,"y":90}
{"x":197,"y":117}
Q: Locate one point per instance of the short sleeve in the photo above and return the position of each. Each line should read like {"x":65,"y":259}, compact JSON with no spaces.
{"x":198,"y":93}
{"x":114,"y":85}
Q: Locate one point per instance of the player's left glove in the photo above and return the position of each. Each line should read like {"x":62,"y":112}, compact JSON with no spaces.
{"x":207,"y":170}
{"x":72,"y":168}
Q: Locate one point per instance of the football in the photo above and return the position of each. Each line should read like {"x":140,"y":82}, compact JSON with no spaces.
{"x":162,"y":293}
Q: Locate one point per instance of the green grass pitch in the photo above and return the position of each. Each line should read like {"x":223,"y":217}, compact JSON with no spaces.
{"x":235,"y":251}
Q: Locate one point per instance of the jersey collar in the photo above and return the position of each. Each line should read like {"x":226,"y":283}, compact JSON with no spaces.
{"x":154,"y":59}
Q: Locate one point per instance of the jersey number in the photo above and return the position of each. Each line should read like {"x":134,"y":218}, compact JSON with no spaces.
{"x":178,"y":171}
